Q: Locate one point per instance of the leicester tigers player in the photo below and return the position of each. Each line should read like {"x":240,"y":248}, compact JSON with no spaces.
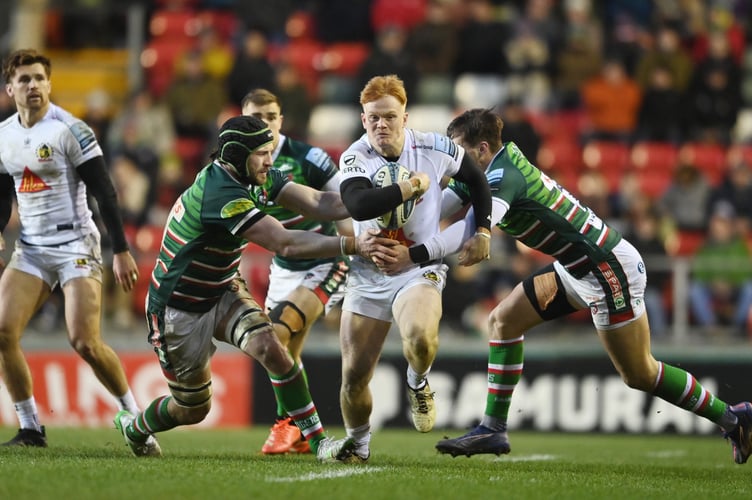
{"x":594,"y":268}
{"x":196,"y":296}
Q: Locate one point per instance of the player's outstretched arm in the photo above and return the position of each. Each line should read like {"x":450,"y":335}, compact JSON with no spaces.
{"x":314,"y":204}
{"x":269,"y":233}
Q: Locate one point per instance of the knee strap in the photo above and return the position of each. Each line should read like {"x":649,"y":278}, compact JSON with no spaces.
{"x":288,"y":314}
{"x":191,"y":396}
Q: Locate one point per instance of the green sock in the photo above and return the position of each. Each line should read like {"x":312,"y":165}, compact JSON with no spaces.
{"x":680,"y":388}
{"x":280,"y":409}
{"x":292,"y":393}
{"x":154,"y":418}
{"x":505,"y":360}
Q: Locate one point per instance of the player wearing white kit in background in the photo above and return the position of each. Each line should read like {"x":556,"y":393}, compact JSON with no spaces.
{"x":412,"y":298}
{"x":53,"y":160}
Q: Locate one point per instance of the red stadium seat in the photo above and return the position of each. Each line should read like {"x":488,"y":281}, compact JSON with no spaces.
{"x":344,"y":58}
{"x":710,"y":158}
{"x":158,"y":60}
{"x":403,"y":13}
{"x":174,"y":24}
{"x":608,"y":157}
{"x":560,"y":154}
{"x":653,"y":182}
{"x":567,"y":124}
{"x":654,"y":155}
{"x":688,"y":242}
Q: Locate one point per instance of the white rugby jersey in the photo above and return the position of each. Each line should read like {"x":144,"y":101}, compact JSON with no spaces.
{"x":428,"y":152}
{"x":42,"y":159}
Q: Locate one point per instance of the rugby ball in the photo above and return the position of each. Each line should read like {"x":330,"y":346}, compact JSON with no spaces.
{"x":387,"y":175}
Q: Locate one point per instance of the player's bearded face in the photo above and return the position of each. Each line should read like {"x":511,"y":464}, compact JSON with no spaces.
{"x":384,"y":120}
{"x":258,"y":164}
{"x":30,"y":87}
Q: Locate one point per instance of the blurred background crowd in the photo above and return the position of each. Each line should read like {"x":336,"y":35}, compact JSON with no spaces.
{"x":641,"y":108}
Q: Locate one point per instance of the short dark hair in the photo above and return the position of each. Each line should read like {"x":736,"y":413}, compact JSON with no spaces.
{"x":24,"y":57}
{"x":260,"y":97}
{"x":478,"y":125}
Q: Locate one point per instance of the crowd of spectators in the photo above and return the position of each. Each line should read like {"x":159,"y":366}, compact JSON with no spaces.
{"x":566,"y":75}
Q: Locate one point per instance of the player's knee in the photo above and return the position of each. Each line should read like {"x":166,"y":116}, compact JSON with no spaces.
{"x":192,"y":402}
{"x":85,"y":348}
{"x":289,"y":315}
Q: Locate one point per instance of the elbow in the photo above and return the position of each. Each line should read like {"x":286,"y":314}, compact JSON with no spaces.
{"x":360,"y":214}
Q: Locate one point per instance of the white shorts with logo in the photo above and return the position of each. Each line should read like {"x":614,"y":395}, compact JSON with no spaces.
{"x":81,"y":258}
{"x":372,"y":293}
{"x":321,"y":279}
{"x":615,"y":292}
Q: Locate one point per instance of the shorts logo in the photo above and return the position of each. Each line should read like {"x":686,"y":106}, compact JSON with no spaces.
{"x":82,"y":262}
{"x":641,"y":267}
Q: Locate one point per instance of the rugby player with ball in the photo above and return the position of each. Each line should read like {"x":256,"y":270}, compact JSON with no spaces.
{"x":391,"y":181}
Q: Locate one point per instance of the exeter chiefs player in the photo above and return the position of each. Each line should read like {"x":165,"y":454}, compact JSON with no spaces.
{"x":595,"y":268}
{"x":413,"y":298}
{"x":300,"y":290}
{"x":54,"y":161}
{"x":196,"y":296}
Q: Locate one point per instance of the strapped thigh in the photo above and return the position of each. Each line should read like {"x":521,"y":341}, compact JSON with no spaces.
{"x":546,"y":293}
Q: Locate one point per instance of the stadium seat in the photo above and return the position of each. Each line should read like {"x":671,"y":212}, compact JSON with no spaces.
{"x":434,"y":89}
{"x":565,"y":124}
{"x":158,"y":61}
{"x":609,"y":158}
{"x":429,"y":117}
{"x":654,"y":155}
{"x":174,"y":24}
{"x":560,"y":155}
{"x":479,"y":91}
{"x":337,"y":89}
{"x":343,"y":58}
{"x":688,"y":242}
{"x":333,"y":125}
{"x":710,"y":158}
{"x":224,"y":22}
{"x":403,"y":13}
{"x":653,"y":182}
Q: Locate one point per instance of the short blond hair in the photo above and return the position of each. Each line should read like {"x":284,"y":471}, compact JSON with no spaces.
{"x":381,"y":86}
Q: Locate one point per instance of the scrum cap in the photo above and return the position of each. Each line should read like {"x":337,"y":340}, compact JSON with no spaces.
{"x":239,"y":137}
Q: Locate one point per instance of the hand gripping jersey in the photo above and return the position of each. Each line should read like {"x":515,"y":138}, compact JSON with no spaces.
{"x":543,"y":215}
{"x":42,"y":160}
{"x":303,"y":164}
{"x":434,"y":154}
{"x":201,"y":244}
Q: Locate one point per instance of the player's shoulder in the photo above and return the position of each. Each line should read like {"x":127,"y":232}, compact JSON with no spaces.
{"x":431,"y":143}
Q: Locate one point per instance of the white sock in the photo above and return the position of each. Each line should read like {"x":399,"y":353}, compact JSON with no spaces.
{"x":28,"y":416}
{"x":362,"y":438}
{"x":128,"y":402}
{"x":416,"y":380}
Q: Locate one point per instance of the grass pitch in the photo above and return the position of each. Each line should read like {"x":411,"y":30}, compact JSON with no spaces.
{"x":222,"y":464}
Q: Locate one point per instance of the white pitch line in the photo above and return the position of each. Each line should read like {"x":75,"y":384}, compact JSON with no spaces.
{"x":667,"y":453}
{"x":527,"y":458}
{"x":328,"y":474}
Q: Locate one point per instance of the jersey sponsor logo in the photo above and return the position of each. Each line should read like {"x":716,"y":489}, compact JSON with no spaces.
{"x":348,"y":160}
{"x":354,"y":169}
{"x":83,"y":134}
{"x":44,"y":152}
{"x":32,"y":183}
{"x":178,"y":210}
{"x":318,"y":157}
{"x":444,"y":144}
{"x":236,"y":207}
